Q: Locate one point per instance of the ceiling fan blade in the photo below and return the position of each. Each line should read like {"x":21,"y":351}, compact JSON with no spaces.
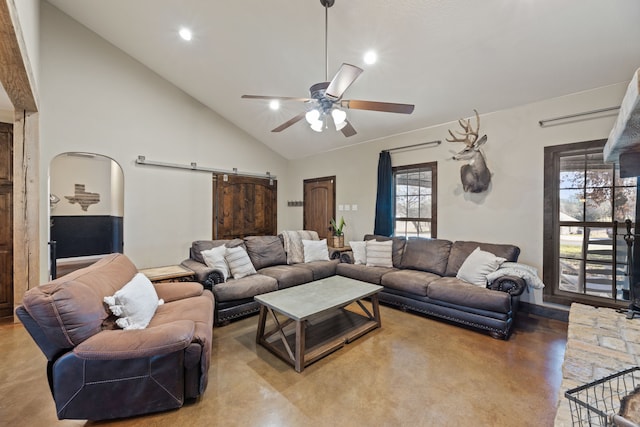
{"x":280,"y":98}
{"x":290,"y":122}
{"x":387,"y":107}
{"x":346,"y":75}
{"x":348,"y":130}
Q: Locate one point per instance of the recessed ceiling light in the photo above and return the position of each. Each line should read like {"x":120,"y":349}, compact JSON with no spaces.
{"x":185,"y":33}
{"x":274,"y":104}
{"x":370,"y":57}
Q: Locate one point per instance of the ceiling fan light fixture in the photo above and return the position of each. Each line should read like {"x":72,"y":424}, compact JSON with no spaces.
{"x":312,"y":116}
{"x":339,"y":116}
{"x":317,"y":125}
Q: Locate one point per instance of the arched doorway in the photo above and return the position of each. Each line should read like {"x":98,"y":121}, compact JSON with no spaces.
{"x":86,"y":210}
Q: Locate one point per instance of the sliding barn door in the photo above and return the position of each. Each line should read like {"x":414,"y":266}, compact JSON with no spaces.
{"x":244,"y":206}
{"x":6,"y":219}
{"x":319,"y":205}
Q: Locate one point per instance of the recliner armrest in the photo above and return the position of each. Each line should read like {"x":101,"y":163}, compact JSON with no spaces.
{"x":176,"y":291}
{"x":512,"y":285}
{"x":131,"y":344}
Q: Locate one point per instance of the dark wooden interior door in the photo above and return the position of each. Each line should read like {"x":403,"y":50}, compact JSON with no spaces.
{"x":6,"y":220}
{"x":244,"y":206}
{"x":319,"y":205}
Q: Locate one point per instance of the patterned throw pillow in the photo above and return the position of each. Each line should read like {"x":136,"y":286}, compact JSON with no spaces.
{"x":239,"y":262}
{"x":379,"y":254}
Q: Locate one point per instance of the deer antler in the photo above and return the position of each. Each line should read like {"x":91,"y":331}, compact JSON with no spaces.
{"x":469,"y":136}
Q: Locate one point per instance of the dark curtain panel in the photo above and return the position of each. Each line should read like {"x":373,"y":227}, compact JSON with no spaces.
{"x":384,"y":198}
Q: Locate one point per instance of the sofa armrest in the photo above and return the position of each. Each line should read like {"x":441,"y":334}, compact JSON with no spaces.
{"x":113,"y":344}
{"x":512,"y":285}
{"x":347,"y":257}
{"x":204,"y":273}
{"x":176,"y":291}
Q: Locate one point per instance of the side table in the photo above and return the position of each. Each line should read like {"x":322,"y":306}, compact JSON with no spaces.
{"x":334,"y":253}
{"x":170,"y":273}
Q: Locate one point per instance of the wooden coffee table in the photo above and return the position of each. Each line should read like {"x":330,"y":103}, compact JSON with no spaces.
{"x":311,"y":321}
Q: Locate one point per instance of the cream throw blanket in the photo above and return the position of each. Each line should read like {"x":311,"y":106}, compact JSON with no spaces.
{"x":293,"y":244}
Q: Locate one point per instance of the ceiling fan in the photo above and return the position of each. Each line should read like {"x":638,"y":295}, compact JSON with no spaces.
{"x":326,"y":101}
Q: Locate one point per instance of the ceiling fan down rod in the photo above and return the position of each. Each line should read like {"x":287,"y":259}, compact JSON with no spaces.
{"x":327,"y":4}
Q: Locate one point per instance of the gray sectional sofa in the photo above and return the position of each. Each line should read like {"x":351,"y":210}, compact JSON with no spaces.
{"x":234,"y":297}
{"x":422,"y":279}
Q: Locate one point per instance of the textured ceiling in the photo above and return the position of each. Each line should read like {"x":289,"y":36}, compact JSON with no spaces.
{"x":445,"y":56}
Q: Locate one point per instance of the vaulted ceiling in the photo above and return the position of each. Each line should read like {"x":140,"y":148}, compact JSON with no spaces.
{"x":445,"y":56}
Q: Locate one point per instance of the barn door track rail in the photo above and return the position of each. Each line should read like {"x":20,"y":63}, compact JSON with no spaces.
{"x":142,"y":160}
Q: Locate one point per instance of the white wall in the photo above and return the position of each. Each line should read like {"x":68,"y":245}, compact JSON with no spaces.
{"x":510,"y":212}
{"x":95,"y":98}
{"x":29,"y":18}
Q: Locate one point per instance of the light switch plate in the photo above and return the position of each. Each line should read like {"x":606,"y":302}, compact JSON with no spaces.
{"x":354,"y":207}
{"x":347,"y":207}
{"x":340,"y":207}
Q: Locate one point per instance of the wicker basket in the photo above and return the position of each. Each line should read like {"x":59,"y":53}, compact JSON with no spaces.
{"x":336,"y":241}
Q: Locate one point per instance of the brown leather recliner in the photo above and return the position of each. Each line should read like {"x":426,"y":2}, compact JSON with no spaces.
{"x":98,"y":371}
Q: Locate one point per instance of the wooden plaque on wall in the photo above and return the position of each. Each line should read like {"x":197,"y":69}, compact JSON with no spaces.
{"x":244,"y":206}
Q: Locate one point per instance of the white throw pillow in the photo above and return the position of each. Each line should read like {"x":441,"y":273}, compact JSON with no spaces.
{"x":359,"y":250}
{"x":379,"y":254}
{"x":214,"y":258}
{"x":135,"y":303}
{"x":239,"y":262}
{"x":478,"y":264}
{"x":315,"y":250}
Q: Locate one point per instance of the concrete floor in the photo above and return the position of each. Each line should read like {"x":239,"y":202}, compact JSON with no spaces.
{"x":414,"y":371}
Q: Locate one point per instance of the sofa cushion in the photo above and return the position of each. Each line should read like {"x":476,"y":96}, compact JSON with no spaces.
{"x":460,"y":250}
{"x":455,"y":291}
{"x":247,"y":287}
{"x":288,"y":275}
{"x":265,"y":251}
{"x":362,"y":272}
{"x":412,"y":281}
{"x":398,"y":246}
{"x":321,"y":269}
{"x":202,"y":245}
{"x":477,"y":266}
{"x":426,"y":255}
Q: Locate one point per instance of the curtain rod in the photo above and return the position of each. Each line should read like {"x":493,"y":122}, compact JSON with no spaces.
{"x":437,"y":142}
{"x":542,"y":123}
{"x":142,"y":160}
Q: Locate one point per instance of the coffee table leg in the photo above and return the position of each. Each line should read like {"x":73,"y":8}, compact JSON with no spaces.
{"x":376,"y":309}
{"x":262,"y":320}
{"x":300,"y":340}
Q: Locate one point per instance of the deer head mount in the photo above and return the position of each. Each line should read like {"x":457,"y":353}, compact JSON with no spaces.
{"x":475,"y":175}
